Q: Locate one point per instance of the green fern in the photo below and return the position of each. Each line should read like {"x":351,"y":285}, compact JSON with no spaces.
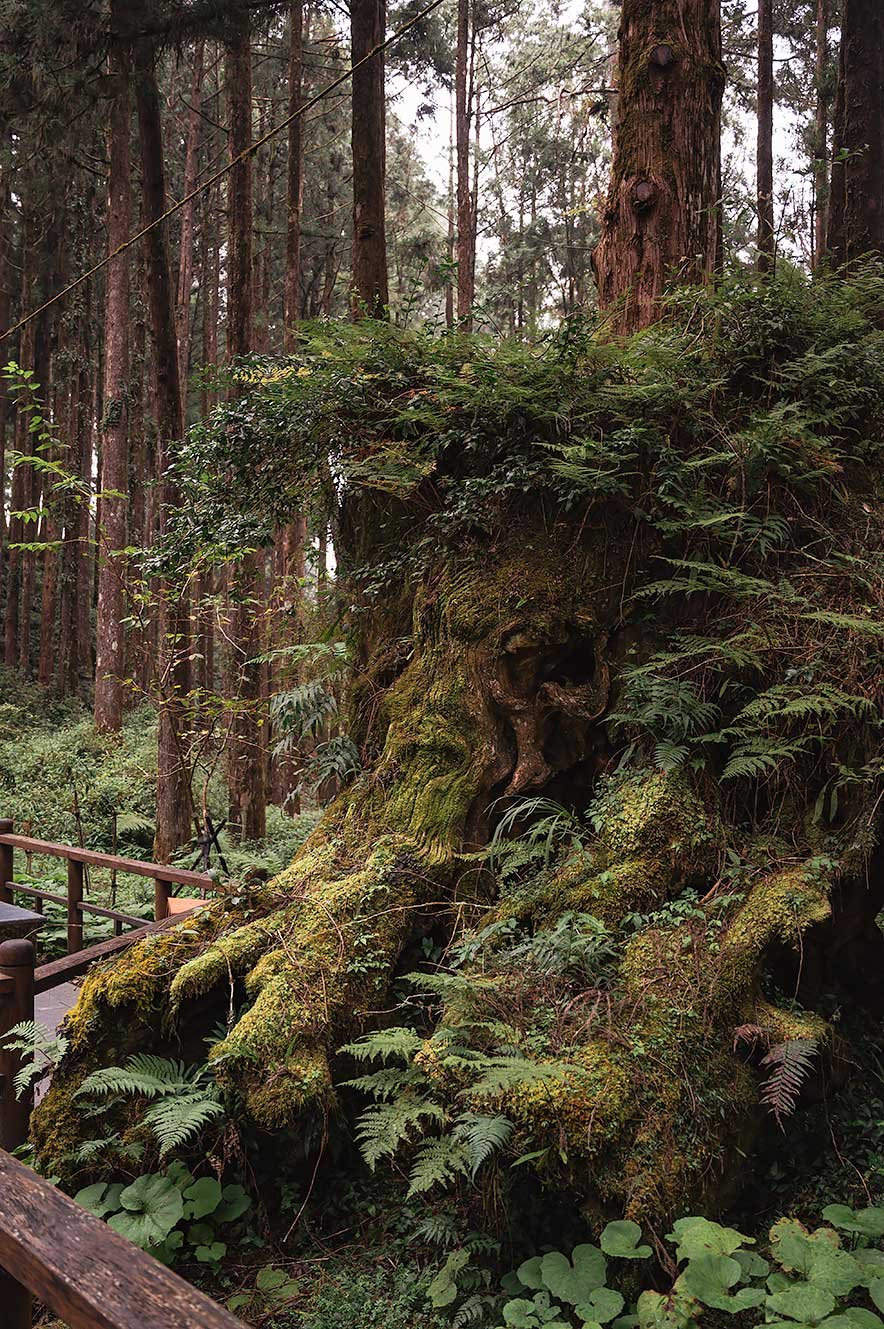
{"x":189,"y":1098}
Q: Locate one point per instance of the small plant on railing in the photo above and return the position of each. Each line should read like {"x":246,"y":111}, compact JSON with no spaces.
{"x":40,"y":1048}
{"x":172,"y":1214}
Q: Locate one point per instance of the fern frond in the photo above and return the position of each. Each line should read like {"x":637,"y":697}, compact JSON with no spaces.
{"x":789,"y":1064}
{"x":176,"y":1121}
{"x":397,"y":1044}
{"x":437,"y":1162}
{"x":384,"y":1127}
{"x":482,"y":1136}
{"x":144,"y":1074}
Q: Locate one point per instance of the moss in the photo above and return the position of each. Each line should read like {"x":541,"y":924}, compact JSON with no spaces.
{"x":656,"y":814}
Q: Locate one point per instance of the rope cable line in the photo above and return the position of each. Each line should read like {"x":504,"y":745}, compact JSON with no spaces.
{"x":221,"y":172}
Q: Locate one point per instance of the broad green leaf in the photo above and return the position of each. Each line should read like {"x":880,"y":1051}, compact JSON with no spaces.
{"x":865,"y":1222}
{"x":678,"y":1310}
{"x":802,"y":1302}
{"x":234,"y":1203}
{"x":202,"y":1198}
{"x":529,"y":1273}
{"x":876,"y":1292}
{"x":603,"y":1305}
{"x":520,"y":1314}
{"x":573,"y":1281}
{"x":100,"y":1199}
{"x":151,"y":1207}
{"x":752,"y":1265}
{"x":700,"y":1236}
{"x":211,"y":1254}
{"x":621,"y":1240}
{"x":710,"y":1278}
{"x":853,"y":1317}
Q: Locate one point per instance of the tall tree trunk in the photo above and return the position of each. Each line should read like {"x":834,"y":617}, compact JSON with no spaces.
{"x":185,"y":257}
{"x":110,"y":660}
{"x":856,"y":208}
{"x":295,"y":179}
{"x":288,"y":553}
{"x":75,"y":548}
{"x":18,"y":496}
{"x":174,"y":798}
{"x":5,"y":319}
{"x":246,"y":775}
{"x":661,"y":217}
{"x":370,"y":288}
{"x":764,"y":156}
{"x":462,"y":116}
{"x":821,"y":133}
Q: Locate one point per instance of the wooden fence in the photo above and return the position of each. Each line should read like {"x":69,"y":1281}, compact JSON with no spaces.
{"x":50,"y":1248}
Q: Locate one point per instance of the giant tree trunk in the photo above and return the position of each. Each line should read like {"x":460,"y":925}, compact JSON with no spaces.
{"x":661,"y":221}
{"x":174,"y":797}
{"x":856,"y":205}
{"x":370,"y":289}
{"x":509,"y":674}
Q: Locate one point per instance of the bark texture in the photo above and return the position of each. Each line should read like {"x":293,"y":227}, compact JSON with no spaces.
{"x":661,"y":220}
{"x":174,"y":798}
{"x":246,"y":758}
{"x":764,"y":153}
{"x":110,"y":662}
{"x":370,"y":288}
{"x":856,"y":206}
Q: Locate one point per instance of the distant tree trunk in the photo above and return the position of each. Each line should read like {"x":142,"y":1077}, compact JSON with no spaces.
{"x":288,"y":552}
{"x":452,"y":225}
{"x":661,"y":217}
{"x":370,"y":289}
{"x":185,"y":257}
{"x":18,"y":496}
{"x":764,"y":158}
{"x":5,"y":312}
{"x":75,"y":548}
{"x":246,"y":775}
{"x":856,"y":208}
{"x":210,"y":283}
{"x":821,"y":133}
{"x":110,"y":657}
{"x":174,"y":798}
{"x":462,"y":116}
{"x":295,"y":180}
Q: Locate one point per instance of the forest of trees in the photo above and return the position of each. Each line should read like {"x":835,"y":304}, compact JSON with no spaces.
{"x":453,"y":435}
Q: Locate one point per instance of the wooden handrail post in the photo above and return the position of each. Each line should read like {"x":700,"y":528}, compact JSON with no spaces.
{"x":17,"y":960}
{"x":7,"y":864}
{"x":75,"y":899}
{"x":162,"y":891}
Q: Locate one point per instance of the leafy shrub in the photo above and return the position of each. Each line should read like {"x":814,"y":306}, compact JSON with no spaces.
{"x":172,"y":1214}
{"x":827,"y":1278}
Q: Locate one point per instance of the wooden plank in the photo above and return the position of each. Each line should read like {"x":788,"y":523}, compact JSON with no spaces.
{"x":87,"y":1274}
{"x":70,"y":966}
{"x":181,"y":876}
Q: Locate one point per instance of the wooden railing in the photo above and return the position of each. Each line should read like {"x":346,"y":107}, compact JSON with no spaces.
{"x":165,"y":878}
{"x":53,"y":1250}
